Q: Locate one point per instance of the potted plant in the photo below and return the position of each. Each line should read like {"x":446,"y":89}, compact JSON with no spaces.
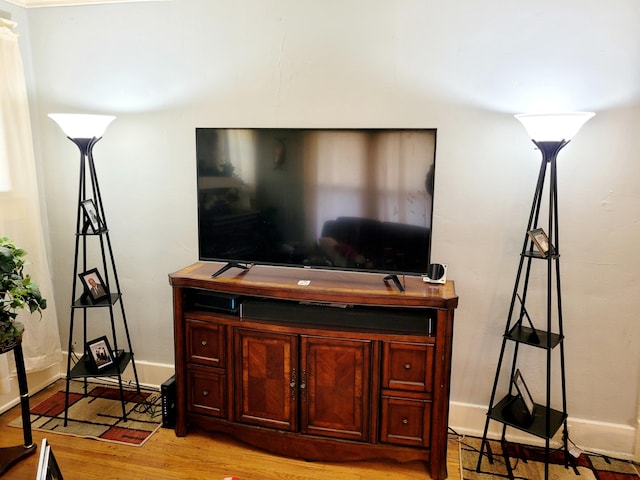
{"x":17,"y":292}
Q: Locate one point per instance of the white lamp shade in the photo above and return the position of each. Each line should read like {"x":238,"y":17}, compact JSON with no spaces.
{"x":82,"y":126}
{"x":553,"y":127}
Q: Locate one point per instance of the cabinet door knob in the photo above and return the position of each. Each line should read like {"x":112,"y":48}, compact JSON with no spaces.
{"x":407,"y":366}
{"x":204,"y":343}
{"x":205,"y":393}
{"x":405,"y":421}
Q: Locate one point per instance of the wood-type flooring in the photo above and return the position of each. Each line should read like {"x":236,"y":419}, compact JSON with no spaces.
{"x":198,"y":456}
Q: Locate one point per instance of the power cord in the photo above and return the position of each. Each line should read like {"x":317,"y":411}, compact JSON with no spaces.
{"x":151,"y":405}
{"x":606,"y":458}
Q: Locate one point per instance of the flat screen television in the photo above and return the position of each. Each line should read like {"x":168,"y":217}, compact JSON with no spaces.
{"x":355,"y":199}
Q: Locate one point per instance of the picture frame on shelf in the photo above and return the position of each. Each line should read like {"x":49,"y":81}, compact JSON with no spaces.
{"x":94,"y":286}
{"x":91,"y":216}
{"x":100,"y":354}
{"x":540,"y":240}
{"x":523,"y":392}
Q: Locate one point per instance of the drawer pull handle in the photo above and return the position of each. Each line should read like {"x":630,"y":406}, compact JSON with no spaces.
{"x":204,"y":343}
{"x":407,"y":366}
{"x":205,"y":393}
{"x":405,"y":421}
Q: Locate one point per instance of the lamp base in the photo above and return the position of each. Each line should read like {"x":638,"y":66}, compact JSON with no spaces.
{"x":9,"y":456}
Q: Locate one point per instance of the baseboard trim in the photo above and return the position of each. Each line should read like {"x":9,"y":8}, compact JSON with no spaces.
{"x":611,"y":439}
{"x":35,"y":380}
{"x":150,"y":375}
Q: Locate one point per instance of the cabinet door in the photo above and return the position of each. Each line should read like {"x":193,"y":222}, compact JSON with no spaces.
{"x":334,"y":387}
{"x":266,"y":379}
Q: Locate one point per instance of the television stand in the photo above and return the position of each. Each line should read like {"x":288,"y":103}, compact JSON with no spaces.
{"x":394,"y":278}
{"x":230,"y":265}
{"x":288,"y":375}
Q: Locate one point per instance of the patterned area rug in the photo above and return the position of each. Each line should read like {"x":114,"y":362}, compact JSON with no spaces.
{"x":98,"y":415}
{"x":528,"y":463}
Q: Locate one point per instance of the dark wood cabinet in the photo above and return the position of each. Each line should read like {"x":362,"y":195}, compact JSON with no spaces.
{"x":320,"y":365}
{"x":334,"y":387}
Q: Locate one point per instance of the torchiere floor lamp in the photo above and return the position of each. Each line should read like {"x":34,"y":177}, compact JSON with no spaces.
{"x":85,"y":131}
{"x":550,"y":133}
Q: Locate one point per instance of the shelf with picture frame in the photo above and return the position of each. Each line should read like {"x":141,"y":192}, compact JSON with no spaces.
{"x":540,"y":246}
{"x":100,"y":360}
{"x":92,"y":223}
{"x":96,"y":291}
{"x":538,"y":426}
{"x":519,"y":410}
{"x":97,"y":287}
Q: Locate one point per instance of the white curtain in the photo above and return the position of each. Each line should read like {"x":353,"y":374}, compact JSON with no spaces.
{"x":20,"y":217}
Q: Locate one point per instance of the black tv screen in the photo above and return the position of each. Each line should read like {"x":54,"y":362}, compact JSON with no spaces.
{"x":357,"y":199}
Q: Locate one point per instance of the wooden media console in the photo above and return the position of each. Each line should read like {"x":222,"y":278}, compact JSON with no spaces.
{"x":315,"y":364}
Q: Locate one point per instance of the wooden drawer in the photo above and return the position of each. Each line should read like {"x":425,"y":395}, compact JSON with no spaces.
{"x":405,"y":421}
{"x":205,"y":343}
{"x":206,"y":391}
{"x":408,"y":366}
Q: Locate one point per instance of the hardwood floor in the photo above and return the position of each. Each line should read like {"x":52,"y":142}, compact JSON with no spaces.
{"x":198,"y":456}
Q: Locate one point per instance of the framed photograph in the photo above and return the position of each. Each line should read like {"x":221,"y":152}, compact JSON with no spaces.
{"x":91,"y":215}
{"x":100,"y":353}
{"x":94,"y":285}
{"x":540,"y":240}
{"x":523,"y":391}
{"x":48,"y":468}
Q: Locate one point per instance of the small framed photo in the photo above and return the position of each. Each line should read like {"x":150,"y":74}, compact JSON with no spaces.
{"x":540,"y":240}
{"x":100,"y":353}
{"x":524,"y":393}
{"x":94,"y":285}
{"x":91,"y":215}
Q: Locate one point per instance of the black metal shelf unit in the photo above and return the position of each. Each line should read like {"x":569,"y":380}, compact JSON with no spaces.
{"x":546,"y":421}
{"x":92,"y":230}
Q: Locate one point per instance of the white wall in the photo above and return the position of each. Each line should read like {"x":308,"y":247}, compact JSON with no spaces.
{"x":461,"y":66}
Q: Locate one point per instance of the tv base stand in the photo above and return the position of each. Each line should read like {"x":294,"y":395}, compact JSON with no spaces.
{"x":230,"y":265}
{"x":396,"y":281}
{"x":366,"y":381}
